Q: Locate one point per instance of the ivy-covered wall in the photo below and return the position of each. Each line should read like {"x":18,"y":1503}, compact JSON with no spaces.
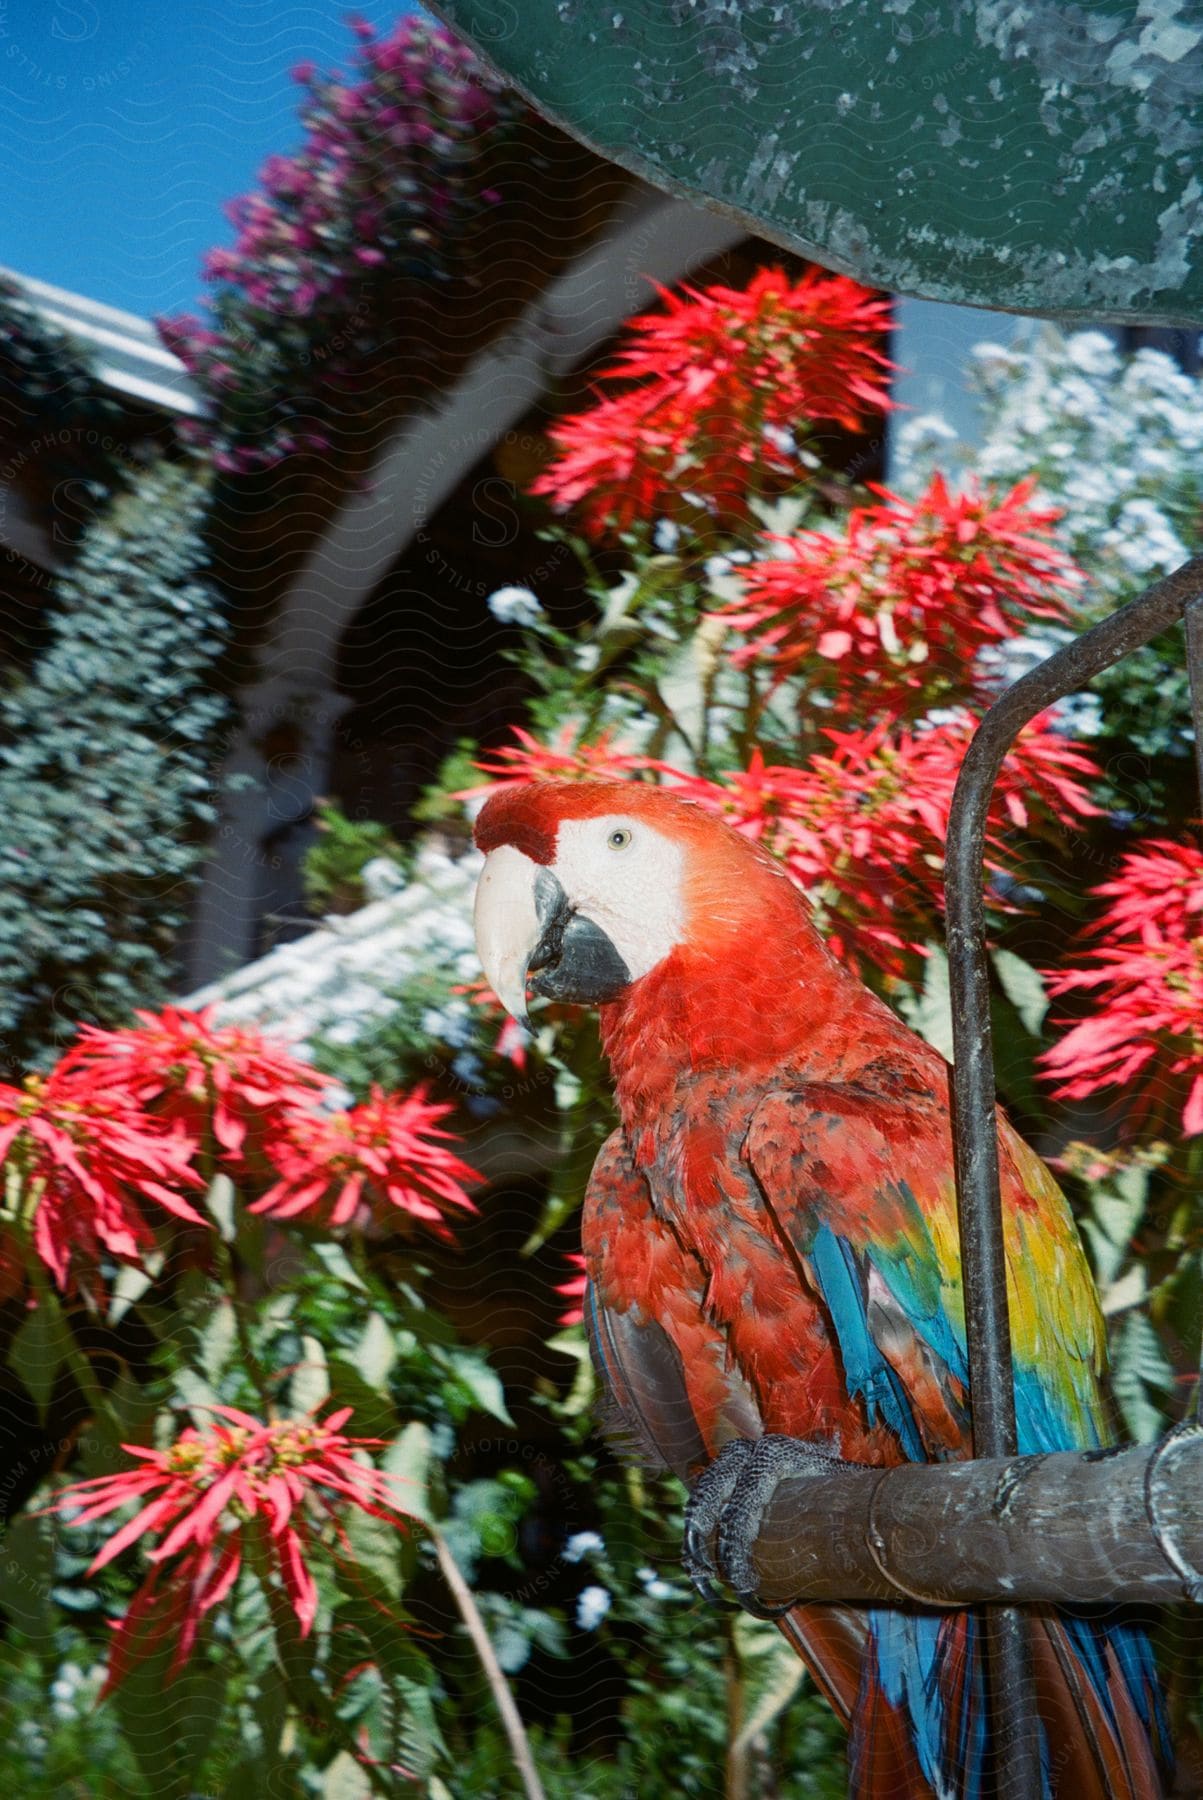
{"x":107,"y":753}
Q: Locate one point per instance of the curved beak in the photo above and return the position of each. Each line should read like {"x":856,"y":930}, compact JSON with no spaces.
{"x":526,"y":928}
{"x":507,"y":924}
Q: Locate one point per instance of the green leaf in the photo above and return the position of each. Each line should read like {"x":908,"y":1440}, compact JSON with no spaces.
{"x":195,"y":1392}
{"x":1117,"y":1206}
{"x":772,"y":1676}
{"x":218,"y":1341}
{"x":129,"y":1285}
{"x":930,"y":1012}
{"x":334,"y":1260}
{"x":481,"y":1382}
{"x":619,"y":600}
{"x":376,"y":1352}
{"x":27,"y":1576}
{"x":39,"y":1349}
{"x":374,"y":1415}
{"x":220,"y":1201}
{"x":170,"y":1724}
{"x":686,"y":686}
{"x":1142,"y":1378}
{"x":580,"y":1396}
{"x":409,"y":1457}
{"x":346,"y":1779}
{"x":1024,"y":987}
{"x":310,"y":1383}
{"x":375,"y":1550}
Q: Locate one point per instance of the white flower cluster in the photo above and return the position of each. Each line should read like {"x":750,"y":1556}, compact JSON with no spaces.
{"x":73,"y":1691}
{"x":592,"y":1605}
{"x":514,"y":606}
{"x":1115,"y":442}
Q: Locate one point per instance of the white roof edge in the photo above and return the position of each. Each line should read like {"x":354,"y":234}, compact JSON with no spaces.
{"x":182,"y":399}
{"x":133,"y":361}
{"x":128,"y":323}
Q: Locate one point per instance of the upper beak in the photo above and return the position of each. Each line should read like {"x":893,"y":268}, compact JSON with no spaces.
{"x":507,"y":924}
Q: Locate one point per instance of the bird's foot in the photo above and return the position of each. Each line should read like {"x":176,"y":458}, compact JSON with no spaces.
{"x":728,"y":1502}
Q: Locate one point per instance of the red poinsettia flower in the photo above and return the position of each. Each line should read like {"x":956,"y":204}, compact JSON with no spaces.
{"x":727,"y":378}
{"x":89,"y":1157}
{"x":566,"y":758}
{"x":227,"y":1079}
{"x":383,"y":1158}
{"x":199,"y":1501}
{"x":862,"y":828}
{"x":894,"y":611}
{"x":1143,"y":968}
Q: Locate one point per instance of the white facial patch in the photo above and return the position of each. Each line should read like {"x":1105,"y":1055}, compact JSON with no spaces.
{"x":628,"y":879}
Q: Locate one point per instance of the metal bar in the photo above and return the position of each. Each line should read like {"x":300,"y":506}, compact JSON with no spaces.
{"x":979,"y":1207}
{"x":1194,"y":666}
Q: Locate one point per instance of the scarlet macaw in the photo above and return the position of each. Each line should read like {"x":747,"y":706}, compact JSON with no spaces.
{"x":771,"y":1245}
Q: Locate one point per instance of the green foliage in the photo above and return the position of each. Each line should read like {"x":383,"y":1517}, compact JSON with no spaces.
{"x":332,"y":872}
{"x":106,"y":772}
{"x":440,"y":804}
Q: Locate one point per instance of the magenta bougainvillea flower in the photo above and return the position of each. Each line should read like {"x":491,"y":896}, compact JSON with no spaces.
{"x":394,"y":178}
{"x":200,"y":1501}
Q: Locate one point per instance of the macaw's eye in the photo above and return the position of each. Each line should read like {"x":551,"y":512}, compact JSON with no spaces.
{"x":619,"y":838}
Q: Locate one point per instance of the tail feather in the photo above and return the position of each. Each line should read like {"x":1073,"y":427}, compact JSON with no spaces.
{"x":1090,"y":1664}
{"x":919,"y":1726}
{"x":831,"y":1641}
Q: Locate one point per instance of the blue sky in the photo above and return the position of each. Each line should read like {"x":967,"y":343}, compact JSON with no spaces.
{"x":125,"y":124}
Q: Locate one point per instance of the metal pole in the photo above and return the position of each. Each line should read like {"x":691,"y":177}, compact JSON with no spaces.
{"x":979,"y":1208}
{"x":1194,"y":665}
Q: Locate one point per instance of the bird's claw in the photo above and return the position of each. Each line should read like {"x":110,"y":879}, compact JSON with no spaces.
{"x":703,"y":1510}
{"x":728,"y":1503}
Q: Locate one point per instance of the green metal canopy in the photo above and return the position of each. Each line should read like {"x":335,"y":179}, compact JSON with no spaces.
{"x":1034,"y":155}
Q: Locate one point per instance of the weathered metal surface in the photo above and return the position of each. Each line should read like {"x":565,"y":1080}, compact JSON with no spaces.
{"x":1032,"y":155}
{"x":1072,"y":1529}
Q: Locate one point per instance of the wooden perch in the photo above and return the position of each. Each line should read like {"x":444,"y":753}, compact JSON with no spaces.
{"x":1074,"y":1527}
